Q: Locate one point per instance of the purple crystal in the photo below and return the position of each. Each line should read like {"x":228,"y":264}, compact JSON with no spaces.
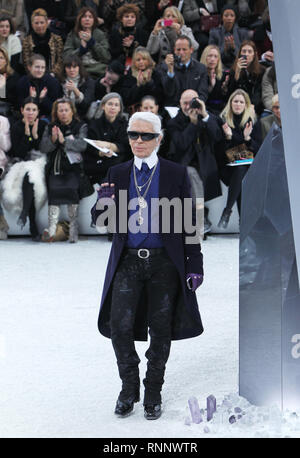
{"x":187,"y":421}
{"x":195,"y":411}
{"x":232,"y":419}
{"x":211,"y":406}
{"x":237,"y":410}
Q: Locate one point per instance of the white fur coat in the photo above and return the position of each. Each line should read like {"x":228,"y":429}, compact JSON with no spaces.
{"x":11,"y":185}
{"x":5,"y":142}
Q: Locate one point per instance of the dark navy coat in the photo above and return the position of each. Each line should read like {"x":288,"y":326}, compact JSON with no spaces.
{"x":173,"y":182}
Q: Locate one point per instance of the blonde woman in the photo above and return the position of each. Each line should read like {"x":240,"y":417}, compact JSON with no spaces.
{"x":8,"y":81}
{"x":42,"y":41}
{"x":217,"y":79}
{"x":166,"y":31}
{"x":142,"y":79}
{"x":237,"y":127}
{"x":63,"y":142}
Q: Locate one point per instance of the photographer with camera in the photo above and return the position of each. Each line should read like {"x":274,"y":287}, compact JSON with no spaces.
{"x":192,"y":134}
{"x":180,"y":72}
{"x":166,"y":31}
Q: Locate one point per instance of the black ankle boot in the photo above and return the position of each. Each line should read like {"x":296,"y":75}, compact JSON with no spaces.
{"x":152,"y":411}
{"x":125,"y":407}
{"x":224,"y":220}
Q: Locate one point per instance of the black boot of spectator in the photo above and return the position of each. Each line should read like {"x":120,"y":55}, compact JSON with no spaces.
{"x":224,"y":220}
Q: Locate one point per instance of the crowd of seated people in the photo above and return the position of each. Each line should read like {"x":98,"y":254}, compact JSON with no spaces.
{"x":76,"y":69}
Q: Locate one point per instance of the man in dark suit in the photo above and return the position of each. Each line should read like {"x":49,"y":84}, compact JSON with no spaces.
{"x":192,"y":132}
{"x":152,"y":272}
{"x":180,"y":72}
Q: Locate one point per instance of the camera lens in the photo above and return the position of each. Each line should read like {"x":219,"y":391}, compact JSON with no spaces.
{"x":194,"y":103}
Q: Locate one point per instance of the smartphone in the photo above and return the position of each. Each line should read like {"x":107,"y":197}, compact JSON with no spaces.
{"x":244,"y":57}
{"x":166,"y":22}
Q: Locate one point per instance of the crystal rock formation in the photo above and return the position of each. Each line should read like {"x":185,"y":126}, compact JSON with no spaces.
{"x":195,"y":411}
{"x":269,"y":328}
{"x":211,"y":405}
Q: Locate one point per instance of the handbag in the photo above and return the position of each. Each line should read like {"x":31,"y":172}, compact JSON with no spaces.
{"x":61,"y":234}
{"x":238,"y":153}
{"x":63,"y":188}
{"x":62,"y":231}
{"x":210,"y":22}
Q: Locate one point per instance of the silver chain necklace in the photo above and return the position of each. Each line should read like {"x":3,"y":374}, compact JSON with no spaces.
{"x":141,"y":198}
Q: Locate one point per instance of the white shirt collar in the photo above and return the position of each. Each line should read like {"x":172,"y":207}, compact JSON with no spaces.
{"x":150,"y":160}
{"x":186,"y":65}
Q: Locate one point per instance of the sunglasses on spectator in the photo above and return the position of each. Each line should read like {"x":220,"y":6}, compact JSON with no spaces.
{"x":145,"y":136}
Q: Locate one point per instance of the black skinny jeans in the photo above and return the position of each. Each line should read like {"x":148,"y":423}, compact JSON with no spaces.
{"x":233,"y":177}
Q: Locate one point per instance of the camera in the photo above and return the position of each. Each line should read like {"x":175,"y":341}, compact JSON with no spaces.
{"x":194,"y":103}
{"x":166,"y":22}
{"x":177,"y":59}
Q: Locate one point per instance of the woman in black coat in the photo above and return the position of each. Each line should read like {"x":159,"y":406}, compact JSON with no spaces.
{"x":237,"y":128}
{"x":142,"y":79}
{"x":40,"y":85}
{"x":127,"y":34}
{"x":217,"y":79}
{"x":24,"y":188}
{"x":63,"y":142}
{"x":110,"y":134}
{"x":77,"y":85}
{"x":247,"y":74}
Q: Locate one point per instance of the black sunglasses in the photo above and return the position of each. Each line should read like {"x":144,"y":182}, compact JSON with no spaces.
{"x":145,"y":136}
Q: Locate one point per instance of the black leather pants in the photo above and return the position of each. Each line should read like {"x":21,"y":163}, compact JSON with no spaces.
{"x":158,"y":278}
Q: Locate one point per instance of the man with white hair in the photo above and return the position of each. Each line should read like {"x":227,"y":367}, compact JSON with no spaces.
{"x":152,"y":274}
{"x":267,"y":121}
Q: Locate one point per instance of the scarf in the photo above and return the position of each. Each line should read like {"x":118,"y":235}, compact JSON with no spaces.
{"x":70,"y":94}
{"x":41,"y":44}
{"x":125,"y":32}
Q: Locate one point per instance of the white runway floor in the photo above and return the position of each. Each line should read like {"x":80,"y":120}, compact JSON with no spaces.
{"x":58,"y":374}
